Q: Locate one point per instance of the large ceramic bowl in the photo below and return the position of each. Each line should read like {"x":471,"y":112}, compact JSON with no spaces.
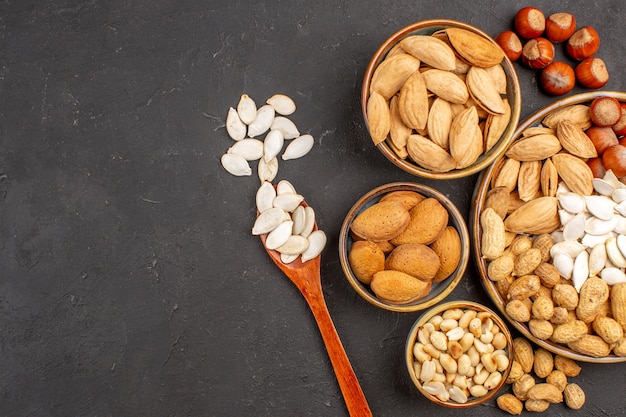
{"x":438,"y":290}
{"x":513,"y":94}
{"x":414,"y":357}
{"x":483,"y":185}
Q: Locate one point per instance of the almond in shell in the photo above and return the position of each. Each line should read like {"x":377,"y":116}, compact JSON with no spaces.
{"x":466,"y":143}
{"x":549,"y":178}
{"x":574,"y":172}
{"x":398,"y":287}
{"x":484,"y":90}
{"x":414,"y":259}
{"x":430,"y":50}
{"x":381,"y":221}
{"x":496,"y":125}
{"x":448,"y":248}
{"x":534,"y":148}
{"x":446,"y":85}
{"x":576,"y":113}
{"x":575,"y":140}
{"x":507,"y":174}
{"x":398,"y":132}
{"x":378,"y":117}
{"x":474,"y":48}
{"x":428,"y":219}
{"x":529,"y":179}
{"x":413,"y":102}
{"x":536,"y":216}
{"x":392,"y":73}
{"x":439,"y":121}
{"x":429,"y":155}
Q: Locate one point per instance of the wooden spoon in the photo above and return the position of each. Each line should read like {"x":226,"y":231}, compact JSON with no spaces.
{"x":306,"y":276}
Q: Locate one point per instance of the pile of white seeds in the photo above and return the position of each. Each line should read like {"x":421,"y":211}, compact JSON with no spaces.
{"x":288,"y":223}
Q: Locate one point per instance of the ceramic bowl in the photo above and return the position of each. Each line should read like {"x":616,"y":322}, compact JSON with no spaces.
{"x":513,"y":93}
{"x":440,"y":289}
{"x":453,"y":309}
{"x":483,"y":185}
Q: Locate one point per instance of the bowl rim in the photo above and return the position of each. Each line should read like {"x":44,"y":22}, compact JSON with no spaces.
{"x":478,"y":199}
{"x":412,"y":338}
{"x":455,"y":218}
{"x":512,"y":83}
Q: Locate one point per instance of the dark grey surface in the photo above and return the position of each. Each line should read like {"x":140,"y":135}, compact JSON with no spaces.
{"x":130,"y":284}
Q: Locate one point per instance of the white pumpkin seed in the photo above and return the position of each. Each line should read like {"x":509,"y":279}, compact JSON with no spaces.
{"x":309,"y":221}
{"x":613,"y":253}
{"x":619,"y":195}
{"x":267,"y":170}
{"x":613,"y":276}
{"x":602,"y":187}
{"x":265,"y":196}
{"x":611,"y":178}
{"x":570,"y":247}
{"x":262,"y":121}
{"x":273,"y":144}
{"x":564,"y":264}
{"x":284,"y":187}
{"x":285,"y":125}
{"x":596,"y":226}
{"x":250,"y":149}
{"x":621,"y":208}
{"x":246,"y":108}
{"x":279,"y":236}
{"x":571,"y":202}
{"x":621,"y":244}
{"x":236,"y":164}
{"x":298,"y":147}
{"x":282,"y":104}
{"x":597,"y":259}
{"x":600,"y":206}
{"x":287,"y":259}
{"x":565,"y":217}
{"x":234,"y":126}
{"x":295,"y":245}
{"x":621,"y":225}
{"x":580,"y":272}
{"x":317,"y":241}
{"x":269,"y":220}
{"x":557,"y":236}
{"x":591,"y":241}
{"x":287,"y":201}
{"x":574,"y":228}
{"x":298,"y":217}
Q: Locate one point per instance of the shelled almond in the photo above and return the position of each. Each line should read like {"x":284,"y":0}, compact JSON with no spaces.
{"x":440,"y":100}
{"x":562,"y":267}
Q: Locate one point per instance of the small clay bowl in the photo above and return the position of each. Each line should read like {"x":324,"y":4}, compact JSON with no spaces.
{"x":439,"y":290}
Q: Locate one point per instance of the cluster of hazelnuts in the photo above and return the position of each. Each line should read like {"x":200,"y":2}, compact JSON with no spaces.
{"x":540,"y":34}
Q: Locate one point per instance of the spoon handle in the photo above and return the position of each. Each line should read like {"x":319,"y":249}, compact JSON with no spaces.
{"x":352,"y":393}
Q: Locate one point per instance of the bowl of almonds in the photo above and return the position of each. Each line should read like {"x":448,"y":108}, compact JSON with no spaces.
{"x":459,"y":354}
{"x":440,"y":99}
{"x":549,"y":228}
{"x":404,"y":246}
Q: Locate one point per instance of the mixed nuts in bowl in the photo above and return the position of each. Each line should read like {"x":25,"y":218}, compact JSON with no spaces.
{"x":459,"y":354}
{"x":404,"y":246}
{"x":546,"y":222}
{"x":440,"y":99}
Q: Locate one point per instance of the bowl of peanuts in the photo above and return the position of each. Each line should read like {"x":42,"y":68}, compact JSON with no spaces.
{"x":404,"y":246}
{"x":546,"y":221}
{"x":459,"y":354}
{"x":440,"y":99}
